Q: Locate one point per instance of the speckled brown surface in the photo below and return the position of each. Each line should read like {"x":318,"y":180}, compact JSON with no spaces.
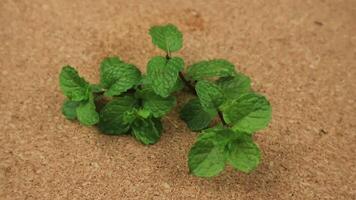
{"x":301,"y":54}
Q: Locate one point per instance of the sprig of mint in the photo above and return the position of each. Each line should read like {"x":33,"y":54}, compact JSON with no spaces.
{"x":128,"y":102}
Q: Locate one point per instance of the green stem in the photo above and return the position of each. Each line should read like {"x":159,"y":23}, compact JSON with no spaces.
{"x":192,"y":90}
{"x":221,"y":118}
{"x":187,"y":83}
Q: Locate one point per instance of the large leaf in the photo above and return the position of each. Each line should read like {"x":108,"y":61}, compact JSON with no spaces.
{"x":157,"y":105}
{"x":195,"y":116}
{"x":167,"y":37}
{"x":117,"y":77}
{"x":207,"y":157}
{"x":147,"y":131}
{"x":233,"y":87}
{"x":243,"y":153}
{"x":116,"y":115}
{"x":69,"y":109}
{"x":163,"y":74}
{"x":250,"y":112}
{"x":72,"y":85}
{"x":211,"y":68}
{"x":86,"y":112}
{"x":210,"y":95}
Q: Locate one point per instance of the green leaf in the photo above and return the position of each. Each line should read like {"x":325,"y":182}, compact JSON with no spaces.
{"x":163,"y":74}
{"x":69,"y":109}
{"x":146,"y":131}
{"x":195,"y":116}
{"x":233,"y":87}
{"x":243,"y":154}
{"x":114,"y":117}
{"x":157,"y":105}
{"x":167,"y":37}
{"x":72,"y":85}
{"x":129,"y":116}
{"x":250,"y":112}
{"x":207,"y":157}
{"x":211,"y":68}
{"x":144,"y":113}
{"x":86,"y":112}
{"x":117,"y":77}
{"x":210,"y":95}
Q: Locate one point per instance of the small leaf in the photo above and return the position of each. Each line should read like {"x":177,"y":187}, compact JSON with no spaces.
{"x":167,"y":37}
{"x":210,"y":95}
{"x":72,"y":85}
{"x":144,"y":113}
{"x":207,"y":157}
{"x":250,"y":112}
{"x":243,"y":154}
{"x":195,"y":116}
{"x":86,"y":112}
{"x":233,"y":87}
{"x":69,"y":109}
{"x":146,"y":131}
{"x":210,"y":69}
{"x":163,"y":74}
{"x":117,"y":77}
{"x":114,"y":116}
{"x":156,"y":104}
{"x":129,"y":116}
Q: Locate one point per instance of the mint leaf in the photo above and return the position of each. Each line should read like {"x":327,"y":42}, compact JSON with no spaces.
{"x":163,"y":74}
{"x":211,"y":68}
{"x":195,"y":116}
{"x":69,"y":109}
{"x":144,"y":113}
{"x":147,"y":131}
{"x":233,"y":87}
{"x":210,"y":95}
{"x":157,"y":105}
{"x":207,"y":157}
{"x":72,"y":85}
{"x":243,"y":154}
{"x":86,"y":112}
{"x":115,"y":116}
{"x":250,"y":112}
{"x":167,"y":37}
{"x":129,"y":116}
{"x":117,"y":77}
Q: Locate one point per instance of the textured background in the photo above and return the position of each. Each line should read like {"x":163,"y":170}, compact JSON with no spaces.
{"x":301,"y":54}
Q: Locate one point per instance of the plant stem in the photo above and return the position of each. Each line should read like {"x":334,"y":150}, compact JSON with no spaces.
{"x":192,"y":90}
{"x":221,"y":118}
{"x":187,"y":83}
{"x":168,"y":57}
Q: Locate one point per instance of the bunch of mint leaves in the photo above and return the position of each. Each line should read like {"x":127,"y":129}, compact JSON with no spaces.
{"x":128,"y":102}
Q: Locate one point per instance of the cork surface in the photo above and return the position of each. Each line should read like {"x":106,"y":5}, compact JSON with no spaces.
{"x":300,"y":54}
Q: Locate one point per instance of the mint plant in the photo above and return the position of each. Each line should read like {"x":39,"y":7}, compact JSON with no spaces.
{"x":128,"y":102}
